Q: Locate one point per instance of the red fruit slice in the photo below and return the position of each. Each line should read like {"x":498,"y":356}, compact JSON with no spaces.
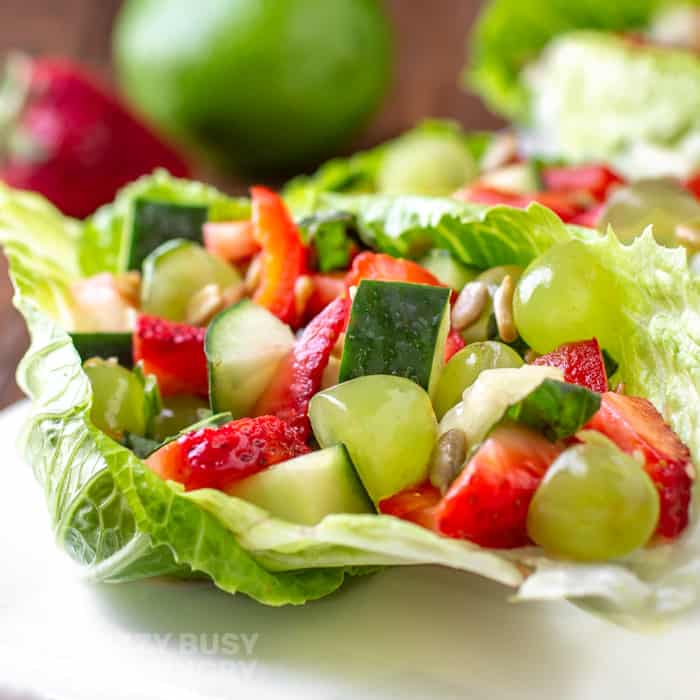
{"x":232,"y":241}
{"x":454,"y":344}
{"x":581,"y":362}
{"x":416,"y":504}
{"x":174,"y":352}
{"x":300,"y":374}
{"x":327,"y":288}
{"x":489,"y":500}
{"x":596,"y":180}
{"x":218,"y":457}
{"x":590,"y":217}
{"x":377,"y":266}
{"x":635,"y":426}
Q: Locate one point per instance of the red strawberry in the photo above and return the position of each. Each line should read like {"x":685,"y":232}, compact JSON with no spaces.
{"x":69,"y":139}
{"x":174,"y":352}
{"x":300,"y":374}
{"x":489,"y":500}
{"x":581,"y":362}
{"x":596,"y":180}
{"x":218,"y":457}
{"x":454,"y":344}
{"x":378,"y":266}
{"x":635,"y":426}
{"x":416,"y":504}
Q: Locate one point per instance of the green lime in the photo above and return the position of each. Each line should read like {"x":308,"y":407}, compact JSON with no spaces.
{"x":264,"y":85}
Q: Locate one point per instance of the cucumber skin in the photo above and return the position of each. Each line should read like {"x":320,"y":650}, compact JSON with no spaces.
{"x":395,"y":328}
{"x":105,"y":345}
{"x":153,"y":223}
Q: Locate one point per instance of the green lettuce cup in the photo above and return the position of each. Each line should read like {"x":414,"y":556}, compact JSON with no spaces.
{"x":120,"y":521}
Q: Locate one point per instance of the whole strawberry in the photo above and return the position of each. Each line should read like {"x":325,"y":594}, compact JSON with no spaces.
{"x":63,"y":134}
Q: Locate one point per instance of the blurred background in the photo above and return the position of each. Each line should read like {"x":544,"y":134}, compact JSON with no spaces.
{"x":428,"y":55}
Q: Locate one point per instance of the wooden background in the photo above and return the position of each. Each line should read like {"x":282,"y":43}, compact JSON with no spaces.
{"x":430,"y":53}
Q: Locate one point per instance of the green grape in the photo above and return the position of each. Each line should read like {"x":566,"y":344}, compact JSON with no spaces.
{"x":118,"y":403}
{"x":563,"y":296}
{"x":387,"y":425}
{"x":178,"y":413}
{"x":465,"y":366}
{"x":595,"y":503}
{"x":426,"y":164}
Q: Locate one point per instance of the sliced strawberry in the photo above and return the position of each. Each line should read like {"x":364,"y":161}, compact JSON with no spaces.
{"x":635,"y":426}
{"x":327,"y":288}
{"x":218,"y":457}
{"x":378,"y":266}
{"x":590,"y":217}
{"x":489,"y":500}
{"x":174,"y":352}
{"x":231,"y":240}
{"x":454,"y":344}
{"x":582,"y":363}
{"x":300,"y":374}
{"x":596,"y":180}
{"x":416,"y":504}
{"x":484,"y":194}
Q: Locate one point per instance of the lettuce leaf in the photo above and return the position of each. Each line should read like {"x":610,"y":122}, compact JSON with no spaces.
{"x":510,"y":34}
{"x":121,"y":521}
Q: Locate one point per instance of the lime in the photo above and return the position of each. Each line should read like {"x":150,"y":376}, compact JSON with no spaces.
{"x":263,"y":85}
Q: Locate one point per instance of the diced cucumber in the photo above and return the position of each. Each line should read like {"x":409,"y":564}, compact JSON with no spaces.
{"x":387,"y":425}
{"x":244,"y":346}
{"x":306,"y":489}
{"x":397,"y":328}
{"x":104,"y":345}
{"x":175,"y":272}
{"x":154,"y":223}
{"x":448,"y":270}
{"x":521,"y":178}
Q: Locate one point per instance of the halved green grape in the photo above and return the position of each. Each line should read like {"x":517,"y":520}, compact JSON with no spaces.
{"x":178,"y":413}
{"x":174,"y":272}
{"x":563,"y":296}
{"x":595,"y":503}
{"x":448,"y":270}
{"x":426,"y":164}
{"x":387,"y":425}
{"x":118,"y":403}
{"x":660,"y":202}
{"x":465,"y":366}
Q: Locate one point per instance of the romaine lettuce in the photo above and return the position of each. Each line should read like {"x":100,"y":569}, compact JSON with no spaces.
{"x":122,"y":522}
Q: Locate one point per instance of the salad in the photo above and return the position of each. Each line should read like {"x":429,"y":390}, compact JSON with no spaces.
{"x":592,"y":80}
{"x":278,"y":399}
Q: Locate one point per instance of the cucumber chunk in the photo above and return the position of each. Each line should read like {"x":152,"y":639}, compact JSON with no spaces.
{"x":244,"y":345}
{"x":175,"y":272}
{"x":387,"y":425}
{"x":397,"y":328}
{"x":306,"y":489}
{"x":448,"y":270}
{"x":104,"y":345}
{"x":154,"y":223}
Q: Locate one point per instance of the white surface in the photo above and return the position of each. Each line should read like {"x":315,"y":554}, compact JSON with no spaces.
{"x":409,"y":633}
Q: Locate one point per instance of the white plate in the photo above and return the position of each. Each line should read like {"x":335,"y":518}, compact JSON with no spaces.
{"x":416,"y":632}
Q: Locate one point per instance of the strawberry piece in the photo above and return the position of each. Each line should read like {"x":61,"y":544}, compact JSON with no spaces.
{"x":71,"y":140}
{"x":596,"y":180}
{"x":284,"y":258}
{"x":590,"y":217}
{"x":300,"y":374}
{"x":582,"y":363}
{"x":327,"y":288}
{"x":218,"y":457}
{"x":489,"y":500}
{"x":232,"y":241}
{"x":416,"y":504}
{"x":378,"y":266}
{"x":635,"y":426}
{"x":484,"y":194}
{"x":693,"y":184}
{"x":454,"y":344}
{"x":174,"y":353}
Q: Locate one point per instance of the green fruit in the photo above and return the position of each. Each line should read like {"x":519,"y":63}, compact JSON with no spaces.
{"x":179,"y":412}
{"x":118,"y":402}
{"x":563,"y":296}
{"x":387,"y":425}
{"x":266,"y":85}
{"x":426,"y":164}
{"x":465,"y":366}
{"x":595,"y":503}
